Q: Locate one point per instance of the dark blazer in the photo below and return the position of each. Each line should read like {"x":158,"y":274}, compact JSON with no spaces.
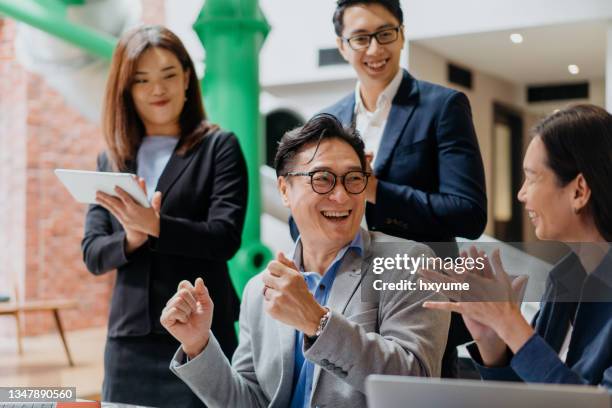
{"x":204,"y":197}
{"x":431,"y":184}
{"x":589,"y":358}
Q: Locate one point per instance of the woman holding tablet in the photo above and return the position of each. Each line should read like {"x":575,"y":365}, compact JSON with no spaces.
{"x":195,"y":176}
{"x":567,"y":194}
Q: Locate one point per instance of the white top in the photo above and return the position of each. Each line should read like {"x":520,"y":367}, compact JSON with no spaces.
{"x":568,"y":336}
{"x":565,"y":346}
{"x":153,"y":155}
{"x":371,"y":125}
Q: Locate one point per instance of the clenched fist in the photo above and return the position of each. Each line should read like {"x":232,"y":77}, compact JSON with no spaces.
{"x":286,"y":296}
{"x":188,"y":316}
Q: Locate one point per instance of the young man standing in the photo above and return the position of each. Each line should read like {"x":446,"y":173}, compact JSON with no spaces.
{"x":428,"y":180}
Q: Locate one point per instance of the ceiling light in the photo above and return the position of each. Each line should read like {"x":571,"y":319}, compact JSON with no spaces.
{"x":573,"y":69}
{"x":516,"y":38}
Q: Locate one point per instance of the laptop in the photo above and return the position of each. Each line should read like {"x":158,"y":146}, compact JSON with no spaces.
{"x":385,"y":391}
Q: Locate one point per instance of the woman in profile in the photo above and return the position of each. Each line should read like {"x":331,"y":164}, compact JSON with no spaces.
{"x":568,"y":197}
{"x":195,"y":177}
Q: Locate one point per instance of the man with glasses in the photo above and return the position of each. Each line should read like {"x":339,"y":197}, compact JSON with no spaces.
{"x":308,"y":335}
{"x":427,"y":178}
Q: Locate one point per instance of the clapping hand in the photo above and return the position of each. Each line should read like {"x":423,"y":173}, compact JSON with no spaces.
{"x":490,"y":309}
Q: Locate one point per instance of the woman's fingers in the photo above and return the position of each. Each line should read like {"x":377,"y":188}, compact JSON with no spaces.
{"x":111,"y":203}
{"x":156,"y":201}
{"x":142,"y":184}
{"x":112,"y":206}
{"x":125,"y":197}
{"x":519,"y":284}
{"x":500,"y":273}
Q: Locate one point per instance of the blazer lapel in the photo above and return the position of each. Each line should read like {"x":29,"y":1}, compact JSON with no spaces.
{"x":403,"y":105}
{"x":346,"y":111}
{"x":348,"y":278}
{"x":176,"y":165}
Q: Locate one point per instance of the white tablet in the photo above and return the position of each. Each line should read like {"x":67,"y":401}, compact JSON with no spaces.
{"x":84,"y":184}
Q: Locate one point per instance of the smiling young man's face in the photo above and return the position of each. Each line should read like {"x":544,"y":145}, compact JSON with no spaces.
{"x":376,"y":64}
{"x":326,"y":220}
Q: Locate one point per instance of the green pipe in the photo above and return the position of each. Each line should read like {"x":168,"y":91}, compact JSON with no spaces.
{"x":52,"y":21}
{"x":232,"y":33}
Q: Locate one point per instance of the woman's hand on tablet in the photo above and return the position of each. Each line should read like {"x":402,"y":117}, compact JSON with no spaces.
{"x":137,"y":220}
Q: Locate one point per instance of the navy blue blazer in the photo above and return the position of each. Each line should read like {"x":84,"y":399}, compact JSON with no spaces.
{"x":589,"y":358}
{"x":431,"y":178}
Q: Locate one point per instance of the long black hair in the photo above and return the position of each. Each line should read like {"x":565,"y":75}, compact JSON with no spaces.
{"x":578,"y":140}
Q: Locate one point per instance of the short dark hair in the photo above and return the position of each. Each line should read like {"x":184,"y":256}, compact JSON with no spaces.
{"x":392,"y":5}
{"x":318,"y":128}
{"x":578,"y":139}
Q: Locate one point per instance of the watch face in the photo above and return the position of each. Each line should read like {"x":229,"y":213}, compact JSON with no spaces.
{"x":323,"y":322}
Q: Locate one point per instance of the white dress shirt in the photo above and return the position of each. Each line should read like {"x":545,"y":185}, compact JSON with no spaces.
{"x":371,"y":125}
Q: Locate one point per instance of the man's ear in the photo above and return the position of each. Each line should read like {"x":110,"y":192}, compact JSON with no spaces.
{"x":581,"y":193}
{"x":342,"y":48}
{"x":283,"y":186}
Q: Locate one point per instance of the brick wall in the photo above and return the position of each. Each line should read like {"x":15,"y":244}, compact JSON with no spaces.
{"x":13,"y":111}
{"x":41,"y":225}
{"x":58,"y":137}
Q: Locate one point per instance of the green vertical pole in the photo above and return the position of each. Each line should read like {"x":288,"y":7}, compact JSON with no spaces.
{"x":232,"y":33}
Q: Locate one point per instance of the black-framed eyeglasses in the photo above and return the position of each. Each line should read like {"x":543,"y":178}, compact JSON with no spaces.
{"x":362,"y":41}
{"x":323,"y":181}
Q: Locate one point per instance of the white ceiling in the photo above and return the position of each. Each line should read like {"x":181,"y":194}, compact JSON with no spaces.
{"x":542,"y":58}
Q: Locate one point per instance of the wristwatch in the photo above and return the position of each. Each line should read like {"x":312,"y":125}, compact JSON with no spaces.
{"x":322,"y":324}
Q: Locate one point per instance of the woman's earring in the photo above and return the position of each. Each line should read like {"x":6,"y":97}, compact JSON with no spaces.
{"x":576,"y":210}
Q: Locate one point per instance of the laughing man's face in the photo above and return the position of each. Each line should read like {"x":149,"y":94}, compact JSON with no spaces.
{"x":326,"y":220}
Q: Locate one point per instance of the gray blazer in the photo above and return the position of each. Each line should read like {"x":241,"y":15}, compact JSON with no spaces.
{"x":393,"y":335}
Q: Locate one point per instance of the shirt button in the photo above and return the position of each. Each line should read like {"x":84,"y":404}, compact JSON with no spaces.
{"x":322,"y":287}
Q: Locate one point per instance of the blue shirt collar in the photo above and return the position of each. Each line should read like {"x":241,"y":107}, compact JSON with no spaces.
{"x":356,"y":244}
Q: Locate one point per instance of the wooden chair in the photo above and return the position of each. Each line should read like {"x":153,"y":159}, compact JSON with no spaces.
{"x":15,"y":308}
